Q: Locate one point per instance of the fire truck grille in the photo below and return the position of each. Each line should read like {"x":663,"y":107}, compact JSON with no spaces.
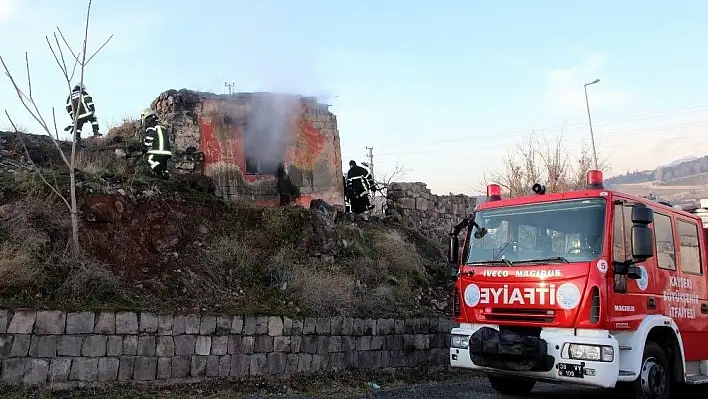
{"x":527,"y":315}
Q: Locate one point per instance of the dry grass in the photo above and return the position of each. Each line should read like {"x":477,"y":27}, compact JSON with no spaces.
{"x":87,"y":281}
{"x":20,"y":128}
{"x":398,"y":257}
{"x":98,"y":163}
{"x":232,"y":260}
{"x":127,"y":129}
{"x":323,"y":292}
{"x":258,"y":254}
{"x":35,"y":261}
{"x":17,"y":268}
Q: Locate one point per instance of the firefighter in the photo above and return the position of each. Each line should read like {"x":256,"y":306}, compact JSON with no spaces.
{"x":81,"y":100}
{"x":156,"y":144}
{"x":360,"y":183}
{"x":287,"y":191}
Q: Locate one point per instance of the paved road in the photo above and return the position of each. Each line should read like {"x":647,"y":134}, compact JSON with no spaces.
{"x":480,"y":389}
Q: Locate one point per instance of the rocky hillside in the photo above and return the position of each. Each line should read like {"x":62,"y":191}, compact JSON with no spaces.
{"x":173,"y":245}
{"x":681,"y":182}
{"x":680,"y":172}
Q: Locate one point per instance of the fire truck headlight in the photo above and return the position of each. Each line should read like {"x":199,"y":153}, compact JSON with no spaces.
{"x":591,"y":352}
{"x":460,"y":341}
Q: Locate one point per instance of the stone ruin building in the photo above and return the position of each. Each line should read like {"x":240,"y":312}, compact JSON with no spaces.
{"x":239,"y":140}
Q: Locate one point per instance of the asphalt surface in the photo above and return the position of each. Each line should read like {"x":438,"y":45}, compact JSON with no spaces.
{"x":478,"y":388}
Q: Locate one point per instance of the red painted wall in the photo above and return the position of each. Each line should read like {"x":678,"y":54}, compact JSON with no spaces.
{"x":309,"y":150}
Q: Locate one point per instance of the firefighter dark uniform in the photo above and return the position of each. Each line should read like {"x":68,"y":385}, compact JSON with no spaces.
{"x":287,"y":191}
{"x":360,"y":183}
{"x":347,"y":202}
{"x":156,"y":144}
{"x":82,"y":102}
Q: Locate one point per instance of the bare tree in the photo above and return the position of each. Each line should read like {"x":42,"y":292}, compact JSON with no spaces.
{"x":80,"y":60}
{"x":538,"y":160}
{"x":384,"y":180}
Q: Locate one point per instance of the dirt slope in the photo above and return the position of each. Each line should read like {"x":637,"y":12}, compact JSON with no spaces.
{"x":172,"y":245}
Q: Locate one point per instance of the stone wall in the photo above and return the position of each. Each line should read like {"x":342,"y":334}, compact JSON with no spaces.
{"x":60,"y":350}
{"x":433,"y":214}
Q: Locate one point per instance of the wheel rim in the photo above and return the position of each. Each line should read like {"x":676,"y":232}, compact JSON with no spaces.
{"x":654,"y":378}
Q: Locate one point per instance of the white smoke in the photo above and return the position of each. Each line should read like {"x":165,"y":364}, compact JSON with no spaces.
{"x":279,"y":61}
{"x":268,"y":129}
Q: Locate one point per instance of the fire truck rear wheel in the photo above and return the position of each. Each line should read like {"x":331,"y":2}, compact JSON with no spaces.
{"x":511,"y":386}
{"x":655,"y":375}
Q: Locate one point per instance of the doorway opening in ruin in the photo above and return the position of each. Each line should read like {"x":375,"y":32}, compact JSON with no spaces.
{"x":264,"y":147}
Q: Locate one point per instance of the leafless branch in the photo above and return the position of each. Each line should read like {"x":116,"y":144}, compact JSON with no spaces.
{"x":54,"y":189}
{"x":68,"y":46}
{"x":99,"y":49}
{"x":539,"y":160}
{"x":62,"y":63}
{"x":384,"y":180}
{"x":29,"y":78}
{"x":27,"y":102}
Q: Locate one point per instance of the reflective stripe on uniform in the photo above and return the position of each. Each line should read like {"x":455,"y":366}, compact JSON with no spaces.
{"x":153,"y":163}
{"x":160,"y":138}
{"x":159,"y":152}
{"x":364,"y":183}
{"x":81,"y":104}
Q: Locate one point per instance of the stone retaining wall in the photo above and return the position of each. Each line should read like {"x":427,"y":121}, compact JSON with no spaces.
{"x":434,"y":215}
{"x":60,"y":350}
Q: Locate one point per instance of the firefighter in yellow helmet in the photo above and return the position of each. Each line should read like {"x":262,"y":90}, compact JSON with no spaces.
{"x":156,"y":144}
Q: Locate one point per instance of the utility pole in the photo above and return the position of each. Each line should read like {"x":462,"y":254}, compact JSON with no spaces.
{"x":592,"y":136}
{"x":230,"y":86}
{"x":370,"y":156}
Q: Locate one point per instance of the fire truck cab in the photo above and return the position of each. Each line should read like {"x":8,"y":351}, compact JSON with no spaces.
{"x":590,"y":287}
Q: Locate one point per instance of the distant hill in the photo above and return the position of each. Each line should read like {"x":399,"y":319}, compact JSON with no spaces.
{"x":682,"y":160}
{"x":684,"y":171}
{"x":684,"y":179}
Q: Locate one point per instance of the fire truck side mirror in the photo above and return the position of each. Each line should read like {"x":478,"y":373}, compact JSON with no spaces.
{"x":642,"y":214}
{"x":453,"y":250}
{"x":642,"y":236}
{"x":642,"y":243}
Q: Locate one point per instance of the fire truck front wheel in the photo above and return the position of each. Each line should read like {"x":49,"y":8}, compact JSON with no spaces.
{"x":511,"y":386}
{"x":655,"y":375}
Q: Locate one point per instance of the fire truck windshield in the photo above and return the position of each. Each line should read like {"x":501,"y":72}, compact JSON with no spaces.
{"x":558,"y":231}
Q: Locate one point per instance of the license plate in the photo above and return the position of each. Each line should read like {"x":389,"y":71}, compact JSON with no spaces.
{"x":571,"y":370}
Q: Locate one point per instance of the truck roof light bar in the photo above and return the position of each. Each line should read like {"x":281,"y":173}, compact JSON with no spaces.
{"x":493,"y":192}
{"x":594,"y":180}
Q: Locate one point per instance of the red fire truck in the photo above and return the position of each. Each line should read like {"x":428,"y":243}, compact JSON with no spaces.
{"x":591,"y":287}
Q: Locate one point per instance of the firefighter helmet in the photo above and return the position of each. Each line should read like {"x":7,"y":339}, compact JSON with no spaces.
{"x":146,"y":114}
{"x":79,"y":86}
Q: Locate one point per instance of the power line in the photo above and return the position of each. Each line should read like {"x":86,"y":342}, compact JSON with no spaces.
{"x":622,"y":133}
{"x":489,"y":156}
{"x":560,"y":128}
